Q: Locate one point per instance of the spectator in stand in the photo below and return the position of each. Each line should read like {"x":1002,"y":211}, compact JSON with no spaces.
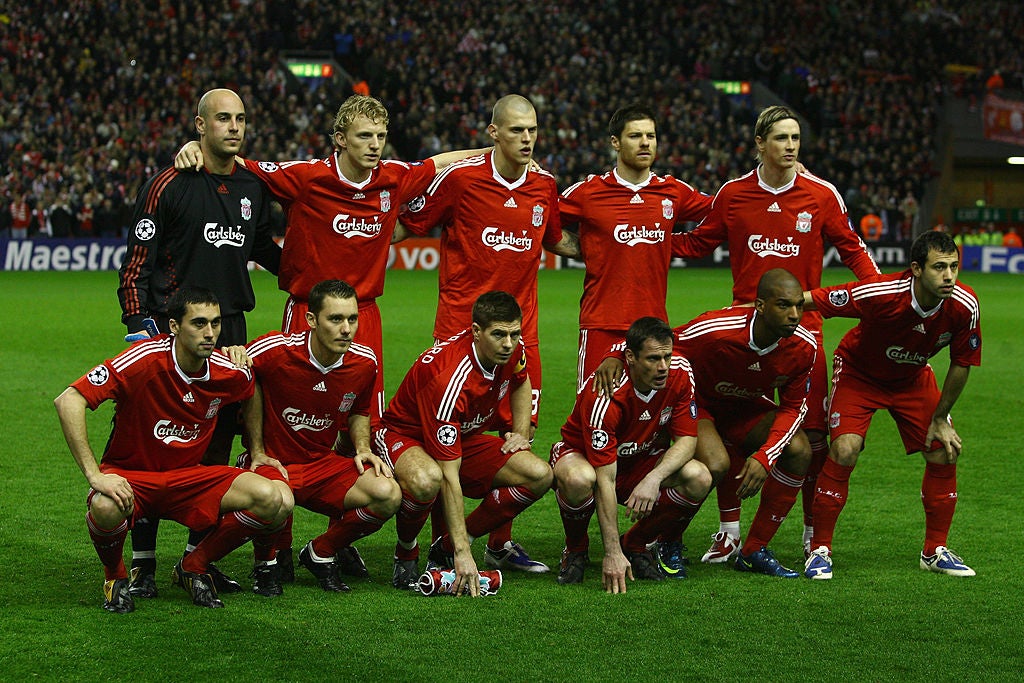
{"x":1012,"y":238}
{"x":21,"y":216}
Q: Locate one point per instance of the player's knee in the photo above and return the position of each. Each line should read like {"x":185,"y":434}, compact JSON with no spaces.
{"x":796,"y":456}
{"x":106,"y":513}
{"x":845,"y":451}
{"x":423,"y":481}
{"x":697,"y":479}
{"x":384,"y":493}
{"x":575,"y":483}
{"x":538,"y":475}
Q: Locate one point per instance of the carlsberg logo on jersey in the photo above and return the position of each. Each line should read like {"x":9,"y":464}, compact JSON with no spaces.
{"x":632,"y":235}
{"x":168,"y":432}
{"x":898,"y":354}
{"x":223,"y":235}
{"x":299,"y":420}
{"x":348,"y":226}
{"x":730,"y":389}
{"x":765,"y":246}
{"x":499,"y":240}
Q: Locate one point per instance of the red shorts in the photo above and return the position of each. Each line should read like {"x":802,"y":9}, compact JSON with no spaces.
{"x":628,"y":471}
{"x":482,"y":457}
{"x":594,"y":345}
{"x":320,"y":485}
{"x":190,"y":496}
{"x":855,"y":399}
{"x":369,"y":333}
{"x":734,"y":421}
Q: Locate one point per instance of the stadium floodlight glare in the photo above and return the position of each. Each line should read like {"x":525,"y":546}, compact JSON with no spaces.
{"x":1015,"y":161}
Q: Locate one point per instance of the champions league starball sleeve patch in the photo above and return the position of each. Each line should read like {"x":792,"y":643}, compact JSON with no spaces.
{"x":98,"y":376}
{"x":447,"y":434}
{"x":839,"y":297}
{"x":598,"y":439}
{"x":145,"y":230}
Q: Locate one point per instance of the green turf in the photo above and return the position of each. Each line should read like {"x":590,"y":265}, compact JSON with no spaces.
{"x":881,"y":618}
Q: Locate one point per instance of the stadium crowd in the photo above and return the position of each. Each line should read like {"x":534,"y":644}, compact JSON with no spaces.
{"x":84,"y":122}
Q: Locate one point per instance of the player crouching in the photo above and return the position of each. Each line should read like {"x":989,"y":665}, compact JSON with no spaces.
{"x":167,"y":392}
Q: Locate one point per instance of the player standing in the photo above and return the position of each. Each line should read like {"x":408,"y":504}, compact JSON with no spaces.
{"x":777,"y":217}
{"x":634,"y":446}
{"x":882,"y":363}
{"x":434,"y":436}
{"x":168,"y":391}
{"x":198,"y":229}
{"x":307,"y":386}
{"x":625,"y":221}
{"x":496,"y":215}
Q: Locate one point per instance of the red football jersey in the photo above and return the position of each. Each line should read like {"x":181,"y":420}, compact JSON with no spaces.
{"x":306,"y":404}
{"x":447,"y":395}
{"x":769,"y":228}
{"x":491,"y":238}
{"x":729,"y":368}
{"x":626,"y":238}
{"x":164,"y":417}
{"x":895,"y":336}
{"x":336,"y":228}
{"x":629,"y":424}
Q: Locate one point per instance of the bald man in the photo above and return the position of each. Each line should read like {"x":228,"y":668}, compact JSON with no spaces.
{"x":197,"y":229}
{"x":496,"y":214}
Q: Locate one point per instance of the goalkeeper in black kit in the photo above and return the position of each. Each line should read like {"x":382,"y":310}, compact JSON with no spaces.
{"x":197,"y":229}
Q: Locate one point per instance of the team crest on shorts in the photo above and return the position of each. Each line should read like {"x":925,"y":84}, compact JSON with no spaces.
{"x":538,"y":216}
{"x":803,"y":222}
{"x":974,"y":341}
{"x":211,"y":412}
{"x":145,"y":230}
{"x":667,"y":210}
{"x":246,"y":209}
{"x":840,"y":297}
{"x":833,"y":420}
{"x":98,"y":376}
{"x":385,"y":201}
{"x":447,"y":434}
{"x":598,"y":439}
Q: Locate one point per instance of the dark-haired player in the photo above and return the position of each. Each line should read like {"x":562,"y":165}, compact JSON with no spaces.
{"x":168,"y":391}
{"x":625,"y":219}
{"x":882,"y":364}
{"x":307,"y":387}
{"x":633,"y":446}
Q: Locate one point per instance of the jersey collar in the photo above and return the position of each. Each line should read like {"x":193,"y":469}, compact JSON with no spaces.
{"x":508,"y":185}
{"x":774,"y":190}
{"x":917,"y":306}
{"x":753,"y":345}
{"x":352,"y":183}
{"x":189,"y":379}
{"x":625,"y":183}
{"x":312,"y":358}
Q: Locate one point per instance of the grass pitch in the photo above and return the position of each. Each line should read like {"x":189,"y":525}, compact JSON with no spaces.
{"x":881,"y":618}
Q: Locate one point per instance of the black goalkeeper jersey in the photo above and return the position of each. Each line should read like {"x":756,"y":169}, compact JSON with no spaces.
{"x":196,"y":229}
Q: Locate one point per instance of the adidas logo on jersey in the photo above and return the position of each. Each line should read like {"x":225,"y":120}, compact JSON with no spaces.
{"x":188,"y":398}
{"x":223,"y":189}
{"x":755,"y":366}
{"x":645,"y":416}
{"x":320,"y":387}
{"x":919,"y":328}
{"x":359,"y":195}
{"x":774,"y":208}
{"x":511,"y":203}
{"x":636,"y":199}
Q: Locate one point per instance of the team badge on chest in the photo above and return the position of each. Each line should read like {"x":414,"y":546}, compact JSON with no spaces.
{"x":385,"y":200}
{"x":667,"y":211}
{"x":246,"y":209}
{"x":211,"y":412}
{"x":803,"y":222}
{"x":538,"y":216}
